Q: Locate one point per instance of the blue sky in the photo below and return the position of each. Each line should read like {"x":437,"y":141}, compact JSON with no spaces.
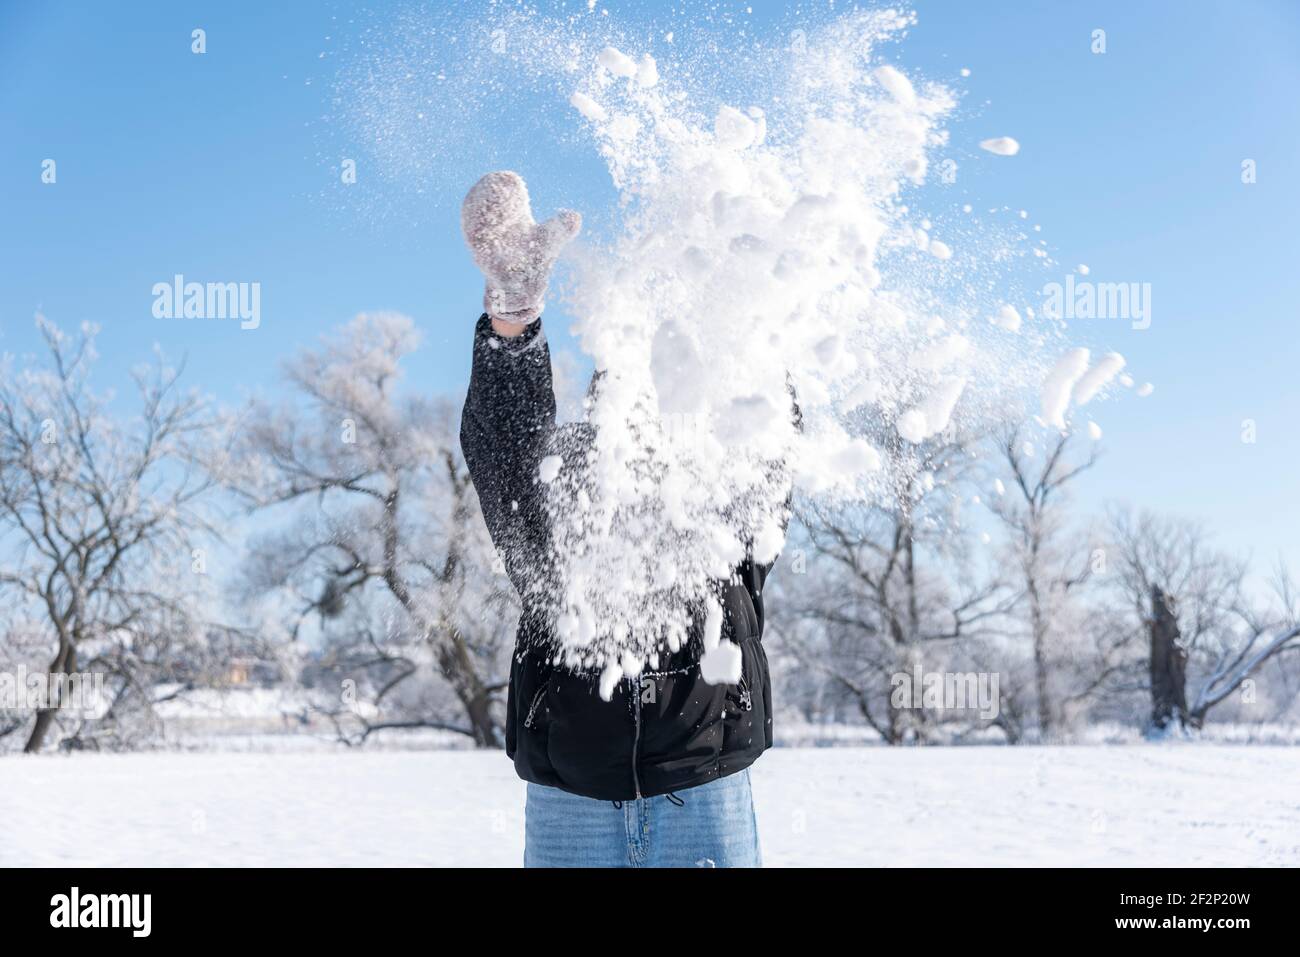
{"x":224,"y":167}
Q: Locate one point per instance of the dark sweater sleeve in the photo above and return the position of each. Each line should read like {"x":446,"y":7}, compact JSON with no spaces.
{"x":505,"y":428}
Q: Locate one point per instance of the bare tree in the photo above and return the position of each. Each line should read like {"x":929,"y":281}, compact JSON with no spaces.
{"x":890,"y":583}
{"x":381,"y":508}
{"x":101,"y":518}
{"x":1048,"y":564}
{"x":1265,"y":635}
{"x":1198,"y":599}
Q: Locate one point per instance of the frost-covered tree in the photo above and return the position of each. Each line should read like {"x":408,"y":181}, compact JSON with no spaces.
{"x":1179,"y":588}
{"x":377,"y":539}
{"x":1048,"y":561}
{"x":103,"y":516}
{"x":1269,"y":631}
{"x":889,"y":586}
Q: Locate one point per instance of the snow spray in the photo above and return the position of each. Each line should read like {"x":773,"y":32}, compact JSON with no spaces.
{"x":768,"y":315}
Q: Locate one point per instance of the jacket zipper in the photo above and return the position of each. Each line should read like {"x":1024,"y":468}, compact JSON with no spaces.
{"x":636,"y":737}
{"x":532,"y":709}
{"x":746,"y":699}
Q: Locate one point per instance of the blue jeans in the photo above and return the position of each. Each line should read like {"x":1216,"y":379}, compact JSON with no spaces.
{"x":711,"y":825}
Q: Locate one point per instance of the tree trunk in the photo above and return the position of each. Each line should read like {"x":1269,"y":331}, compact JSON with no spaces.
{"x":1008,"y":724}
{"x":64,"y":663}
{"x":1168,"y":665}
{"x":910,"y":726}
{"x":479,"y":710}
{"x":458,"y":667}
{"x":1038,"y":624}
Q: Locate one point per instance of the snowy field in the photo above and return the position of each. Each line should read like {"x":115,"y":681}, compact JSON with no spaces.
{"x":1168,"y":805}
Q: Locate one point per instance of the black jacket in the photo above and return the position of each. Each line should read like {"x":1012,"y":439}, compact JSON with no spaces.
{"x":665,"y":730}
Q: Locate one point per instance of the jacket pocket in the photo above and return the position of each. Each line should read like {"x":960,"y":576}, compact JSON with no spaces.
{"x":744,"y":697}
{"x":588,"y":742}
{"x":743,"y":723}
{"x":531,"y":681}
{"x":531,"y":720}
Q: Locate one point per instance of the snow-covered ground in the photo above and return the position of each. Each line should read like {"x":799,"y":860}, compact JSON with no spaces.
{"x":1148,"y":805}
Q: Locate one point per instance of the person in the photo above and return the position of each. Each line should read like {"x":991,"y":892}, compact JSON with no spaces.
{"x":656,"y":776}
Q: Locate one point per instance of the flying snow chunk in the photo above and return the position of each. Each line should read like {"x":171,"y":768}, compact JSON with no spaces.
{"x":616,"y":62}
{"x":856,"y":458}
{"x":1007,"y":318}
{"x":733,"y":129}
{"x":1059,"y":384}
{"x":931,"y":416}
{"x":746,"y":418}
{"x":868,"y":390}
{"x":724,"y":552}
{"x":647,"y":72}
{"x":940,"y":250}
{"x":1145,"y":389}
{"x":1083,"y":269}
{"x":1094,"y":431}
{"x":549,"y":468}
{"x":631,"y":665}
{"x":827,"y":350}
{"x":768,"y":542}
{"x":899,"y":86}
{"x":911,"y":426}
{"x":721,"y":665}
{"x":1095,"y":379}
{"x":588,"y":107}
{"x":712,"y":633}
{"x":609,"y":679}
{"x":1001,"y":146}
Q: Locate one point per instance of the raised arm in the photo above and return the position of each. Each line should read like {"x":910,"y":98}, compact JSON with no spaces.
{"x":509,"y":412}
{"x":508,"y":416}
